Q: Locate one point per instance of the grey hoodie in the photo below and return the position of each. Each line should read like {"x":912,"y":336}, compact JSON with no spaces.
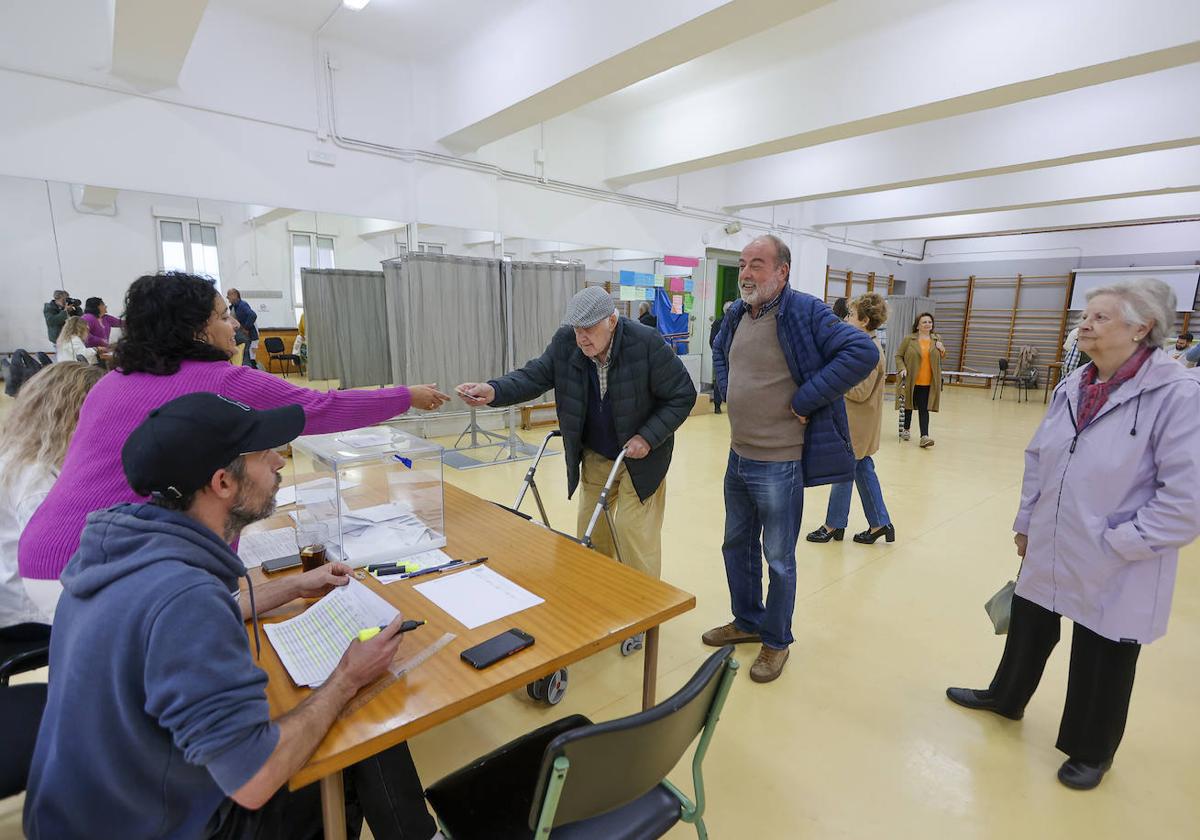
{"x":156,"y":710}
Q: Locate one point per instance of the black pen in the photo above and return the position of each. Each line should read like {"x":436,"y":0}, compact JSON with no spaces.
{"x":446,"y":567}
{"x":378,"y":567}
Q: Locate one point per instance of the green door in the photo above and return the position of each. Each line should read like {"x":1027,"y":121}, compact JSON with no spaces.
{"x":727,"y":287}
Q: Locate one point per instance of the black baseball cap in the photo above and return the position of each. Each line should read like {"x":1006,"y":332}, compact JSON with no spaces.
{"x":179,"y":445}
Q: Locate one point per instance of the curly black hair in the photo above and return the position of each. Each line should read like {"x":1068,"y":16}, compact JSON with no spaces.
{"x":165,"y":315}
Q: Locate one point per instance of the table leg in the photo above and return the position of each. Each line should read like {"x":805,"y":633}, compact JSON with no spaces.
{"x":650,"y":666}
{"x":333,"y":806}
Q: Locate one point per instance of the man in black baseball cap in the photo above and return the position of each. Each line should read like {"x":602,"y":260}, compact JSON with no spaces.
{"x":156,"y":720}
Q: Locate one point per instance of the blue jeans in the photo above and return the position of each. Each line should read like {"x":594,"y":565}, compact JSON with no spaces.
{"x":838,"y":514}
{"x":763,"y":504}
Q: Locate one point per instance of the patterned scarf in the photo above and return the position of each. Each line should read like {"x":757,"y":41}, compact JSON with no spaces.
{"x":1093,"y":395}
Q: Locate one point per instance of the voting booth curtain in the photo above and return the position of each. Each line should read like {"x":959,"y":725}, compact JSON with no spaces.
{"x":433,"y":318}
{"x":347,"y":323}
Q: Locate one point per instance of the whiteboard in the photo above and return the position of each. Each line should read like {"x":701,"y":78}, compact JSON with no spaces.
{"x":1182,"y":278}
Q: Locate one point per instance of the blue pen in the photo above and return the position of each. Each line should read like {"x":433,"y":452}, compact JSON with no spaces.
{"x":405,"y":461}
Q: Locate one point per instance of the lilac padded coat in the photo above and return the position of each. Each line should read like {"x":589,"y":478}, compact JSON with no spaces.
{"x":1107,"y":509}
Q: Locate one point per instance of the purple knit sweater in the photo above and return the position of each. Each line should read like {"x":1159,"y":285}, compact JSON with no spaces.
{"x":92,"y":477}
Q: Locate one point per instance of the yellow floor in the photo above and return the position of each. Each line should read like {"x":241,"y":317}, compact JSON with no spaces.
{"x":856,"y":739}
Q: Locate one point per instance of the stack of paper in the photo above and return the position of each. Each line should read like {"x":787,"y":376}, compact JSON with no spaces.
{"x":311,"y":644}
{"x":257,"y":548}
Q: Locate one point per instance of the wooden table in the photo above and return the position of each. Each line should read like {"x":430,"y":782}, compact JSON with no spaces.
{"x":1056,"y":369}
{"x":591,"y":603}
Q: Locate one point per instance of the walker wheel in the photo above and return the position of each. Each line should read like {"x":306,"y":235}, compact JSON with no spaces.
{"x":632,"y":644}
{"x":549,"y":690}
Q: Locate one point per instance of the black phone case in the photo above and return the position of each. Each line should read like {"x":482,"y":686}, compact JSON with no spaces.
{"x":480,"y":657}
{"x":280,"y":564}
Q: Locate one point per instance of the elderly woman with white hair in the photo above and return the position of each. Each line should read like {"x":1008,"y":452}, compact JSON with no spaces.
{"x":1109,"y":497}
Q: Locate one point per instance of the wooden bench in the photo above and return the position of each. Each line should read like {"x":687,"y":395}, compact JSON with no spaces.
{"x":527,"y":421}
{"x":986,"y":379}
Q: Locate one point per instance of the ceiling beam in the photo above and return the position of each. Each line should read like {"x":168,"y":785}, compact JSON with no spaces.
{"x":839,"y":87}
{"x":1173,"y":170}
{"x":151,"y":38}
{"x":548,"y":57}
{"x":1139,"y":209}
{"x":1126,"y":117}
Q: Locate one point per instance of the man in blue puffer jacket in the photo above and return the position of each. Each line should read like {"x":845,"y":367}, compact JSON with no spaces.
{"x":783,"y":361}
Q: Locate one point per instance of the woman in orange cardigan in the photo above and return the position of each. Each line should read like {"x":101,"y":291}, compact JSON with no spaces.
{"x":920,"y":358}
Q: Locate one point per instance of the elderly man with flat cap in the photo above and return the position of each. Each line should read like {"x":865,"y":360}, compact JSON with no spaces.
{"x":617,"y":385}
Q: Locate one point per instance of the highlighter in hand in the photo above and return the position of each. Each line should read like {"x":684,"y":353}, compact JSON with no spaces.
{"x":369,"y":633}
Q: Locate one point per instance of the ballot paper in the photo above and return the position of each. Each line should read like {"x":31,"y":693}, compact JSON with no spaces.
{"x":380,"y":513}
{"x":477,"y":596}
{"x":311,"y":644}
{"x":261,"y":546}
{"x":319,"y":490}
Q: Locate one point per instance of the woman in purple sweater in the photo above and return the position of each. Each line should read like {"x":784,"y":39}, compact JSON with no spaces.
{"x":178,"y":339}
{"x":100,"y":323}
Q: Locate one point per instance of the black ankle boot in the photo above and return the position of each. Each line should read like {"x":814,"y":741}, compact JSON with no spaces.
{"x":821,"y":535}
{"x":1082,"y":775}
{"x":869,"y":537}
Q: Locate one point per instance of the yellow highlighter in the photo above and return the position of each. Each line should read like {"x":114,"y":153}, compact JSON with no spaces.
{"x":371,"y":632}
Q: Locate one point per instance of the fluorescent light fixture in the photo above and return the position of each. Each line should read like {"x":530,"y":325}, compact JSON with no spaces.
{"x":355,"y":5}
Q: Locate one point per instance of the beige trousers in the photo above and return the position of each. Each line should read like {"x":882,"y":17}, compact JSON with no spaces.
{"x":638,"y":523}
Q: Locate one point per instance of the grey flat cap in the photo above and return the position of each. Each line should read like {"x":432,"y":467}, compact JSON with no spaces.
{"x":588,"y":308}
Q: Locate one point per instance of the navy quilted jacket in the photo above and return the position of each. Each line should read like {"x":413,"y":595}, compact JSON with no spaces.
{"x":650,"y":390}
{"x":827,"y":358}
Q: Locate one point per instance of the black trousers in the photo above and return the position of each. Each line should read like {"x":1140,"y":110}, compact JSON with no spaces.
{"x":1099,"y":683}
{"x":716,"y":397}
{"x":921,"y":403}
{"x":385,"y":789}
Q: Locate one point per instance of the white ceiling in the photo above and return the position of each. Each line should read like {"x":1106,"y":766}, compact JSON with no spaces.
{"x":402,"y":29}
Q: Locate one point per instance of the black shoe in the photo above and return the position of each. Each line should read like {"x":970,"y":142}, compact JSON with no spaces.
{"x":869,"y":537}
{"x":978,"y":698}
{"x":717,"y":410}
{"x":1080,"y":775}
{"x":822,"y":535}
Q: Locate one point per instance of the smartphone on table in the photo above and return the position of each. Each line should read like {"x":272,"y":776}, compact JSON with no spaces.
{"x":497,"y":648}
{"x":280,"y":563}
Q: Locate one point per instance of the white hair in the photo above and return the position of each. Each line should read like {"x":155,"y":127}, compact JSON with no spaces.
{"x":1145,"y":302}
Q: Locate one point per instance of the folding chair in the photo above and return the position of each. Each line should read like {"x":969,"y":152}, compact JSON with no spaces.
{"x":576,"y":780}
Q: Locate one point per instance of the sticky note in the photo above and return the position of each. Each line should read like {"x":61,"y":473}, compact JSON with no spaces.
{"x":628,"y":278}
{"x":676,"y":284}
{"x":689,"y":285}
{"x":649,"y":294}
{"x":660,"y":281}
{"x":629,"y":293}
{"x":688,"y":300}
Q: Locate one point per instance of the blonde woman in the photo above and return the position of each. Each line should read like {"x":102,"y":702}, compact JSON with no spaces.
{"x":72,"y":342}
{"x":920,"y":357}
{"x":864,"y":409}
{"x":33,"y":444}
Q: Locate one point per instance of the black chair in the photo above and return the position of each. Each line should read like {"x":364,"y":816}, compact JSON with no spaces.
{"x":274,"y":347}
{"x":1021,"y":382}
{"x":25,"y":647}
{"x":44,"y":360}
{"x":21,"y":368}
{"x":21,"y":708}
{"x":577,"y":780}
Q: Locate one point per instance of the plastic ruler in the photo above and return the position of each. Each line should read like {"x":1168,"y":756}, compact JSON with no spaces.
{"x":396,"y":671}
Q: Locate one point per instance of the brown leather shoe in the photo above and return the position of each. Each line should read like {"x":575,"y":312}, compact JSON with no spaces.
{"x":728,"y":634}
{"x":769,"y":664}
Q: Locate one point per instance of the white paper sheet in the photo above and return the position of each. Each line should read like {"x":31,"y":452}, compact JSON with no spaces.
{"x":363,"y":438}
{"x":256,"y":549}
{"x":477,"y":596}
{"x":320,"y":490}
{"x":311,"y":644}
{"x":380,"y":513}
{"x":285,"y":496}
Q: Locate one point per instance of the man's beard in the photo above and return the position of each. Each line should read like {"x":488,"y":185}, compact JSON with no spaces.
{"x":246,"y":511}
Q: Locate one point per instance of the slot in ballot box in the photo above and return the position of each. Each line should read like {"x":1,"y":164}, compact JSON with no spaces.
{"x":375,"y":494}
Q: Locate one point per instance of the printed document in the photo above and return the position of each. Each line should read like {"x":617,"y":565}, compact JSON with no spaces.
{"x":311,"y":644}
{"x":477,"y":596}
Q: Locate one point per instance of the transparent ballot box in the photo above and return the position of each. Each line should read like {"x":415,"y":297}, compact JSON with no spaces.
{"x":374,"y":494}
